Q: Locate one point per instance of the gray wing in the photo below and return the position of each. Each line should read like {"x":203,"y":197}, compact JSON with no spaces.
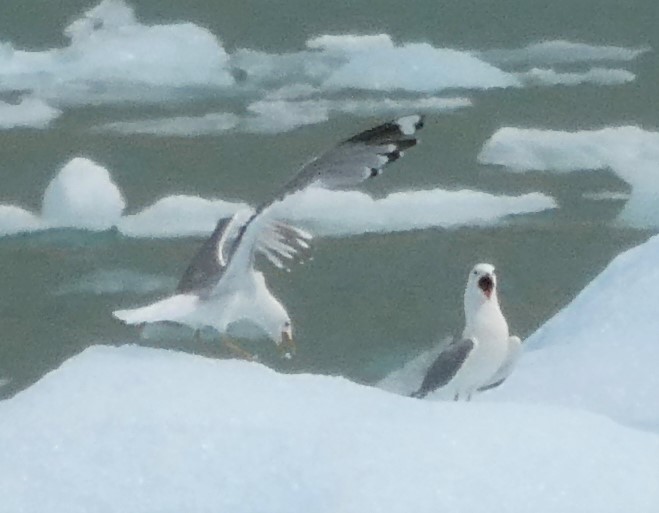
{"x":354,"y":160}
{"x":279,"y":243}
{"x":205,"y":268}
{"x":445,"y":367}
{"x":359,"y":158}
{"x":514,"y":351}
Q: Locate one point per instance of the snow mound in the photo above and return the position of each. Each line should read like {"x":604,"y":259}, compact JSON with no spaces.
{"x":178,"y":216}
{"x":596,"y":76}
{"x":15,"y":220}
{"x":630,"y":152}
{"x":29,"y":112}
{"x":112,"y":56}
{"x":338,"y":213}
{"x":276,"y":114}
{"x":82,"y":195}
{"x":376,"y":63}
{"x":182,"y":126}
{"x":600,"y":352}
{"x":561,"y":52}
{"x":143,"y":430}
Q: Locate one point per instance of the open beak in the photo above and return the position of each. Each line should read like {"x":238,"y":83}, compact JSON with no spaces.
{"x":486,"y":284}
{"x":287,"y":345}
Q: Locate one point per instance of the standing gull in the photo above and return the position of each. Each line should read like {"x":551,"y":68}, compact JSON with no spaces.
{"x":221,"y":287}
{"x":485,"y":355}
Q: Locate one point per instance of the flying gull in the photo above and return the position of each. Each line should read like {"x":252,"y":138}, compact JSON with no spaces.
{"x":221,"y":286}
{"x":485,"y":355}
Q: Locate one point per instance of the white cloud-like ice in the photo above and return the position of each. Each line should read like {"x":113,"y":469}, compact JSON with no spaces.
{"x":29,"y":112}
{"x":599,"y":353}
{"x":143,"y":430}
{"x":182,"y":126}
{"x":82,"y":195}
{"x":548,"y":53}
{"x":112,"y":56}
{"x":178,"y":216}
{"x":630,"y":152}
{"x":281,"y":115}
{"x":596,"y":76}
{"x":338,"y":213}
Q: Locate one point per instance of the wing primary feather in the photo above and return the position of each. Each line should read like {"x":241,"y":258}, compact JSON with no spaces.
{"x":445,"y":367}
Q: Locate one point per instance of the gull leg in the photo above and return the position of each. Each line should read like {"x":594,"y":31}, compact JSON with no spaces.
{"x":237,"y":350}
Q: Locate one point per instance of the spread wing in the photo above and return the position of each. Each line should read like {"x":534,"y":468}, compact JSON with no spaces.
{"x":445,"y":367}
{"x":353,"y":161}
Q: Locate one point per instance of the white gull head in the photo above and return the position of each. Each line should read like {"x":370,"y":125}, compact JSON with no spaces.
{"x":483,"y":317}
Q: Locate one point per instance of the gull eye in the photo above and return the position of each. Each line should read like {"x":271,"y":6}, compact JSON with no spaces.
{"x":475,"y":273}
{"x":287,"y":324}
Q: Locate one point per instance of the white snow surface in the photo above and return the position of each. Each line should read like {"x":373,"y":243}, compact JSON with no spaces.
{"x":628,"y":151}
{"x":29,"y":112}
{"x":144,"y":430}
{"x":82,"y":195}
{"x":600,"y":352}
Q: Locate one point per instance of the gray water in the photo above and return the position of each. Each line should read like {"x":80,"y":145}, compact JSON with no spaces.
{"x":366,"y":303}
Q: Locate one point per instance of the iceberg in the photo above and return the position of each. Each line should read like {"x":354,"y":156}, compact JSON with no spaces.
{"x":144,"y":430}
{"x":630,"y":152}
{"x":599,"y":353}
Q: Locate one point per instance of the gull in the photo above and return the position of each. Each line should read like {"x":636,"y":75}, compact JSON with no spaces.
{"x":221,"y":287}
{"x":485,"y":355}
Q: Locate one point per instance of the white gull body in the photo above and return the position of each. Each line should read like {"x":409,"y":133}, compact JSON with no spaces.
{"x":221,"y":286}
{"x":486,"y":353}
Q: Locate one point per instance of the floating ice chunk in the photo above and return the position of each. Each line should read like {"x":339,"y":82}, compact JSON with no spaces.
{"x":15,"y":219}
{"x":346,"y":43}
{"x":178,"y":216}
{"x":112,"y":56}
{"x":605,"y":196}
{"x":338,"y":213}
{"x":561,"y":52}
{"x":182,"y":126}
{"x":370,"y":107}
{"x":82,"y":195}
{"x":630,"y":152}
{"x":281,"y":116}
{"x":597,"y":76}
{"x":416,"y":67}
{"x":30,"y":112}
{"x":600,"y":352}
{"x":143,"y":430}
{"x":118,"y":281}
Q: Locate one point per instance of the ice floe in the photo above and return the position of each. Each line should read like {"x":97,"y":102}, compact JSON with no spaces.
{"x":600,"y":352}
{"x":143,"y":430}
{"x":630,"y":152}
{"x":82,"y":195}
{"x":29,"y":112}
{"x":117,"y":281}
{"x":596,"y":76}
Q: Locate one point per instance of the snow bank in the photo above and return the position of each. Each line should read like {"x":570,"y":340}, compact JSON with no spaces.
{"x":143,"y":430}
{"x":630,"y":152}
{"x":82,"y":195}
{"x":29,"y":112}
{"x":277,"y":114}
{"x":337,"y":213}
{"x":596,"y":76}
{"x":112,"y":56}
{"x":376,"y":63}
{"x":560,"y":52}
{"x":183,"y":126}
{"x":178,"y":216}
{"x":601,"y":351}
{"x":15,"y":220}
